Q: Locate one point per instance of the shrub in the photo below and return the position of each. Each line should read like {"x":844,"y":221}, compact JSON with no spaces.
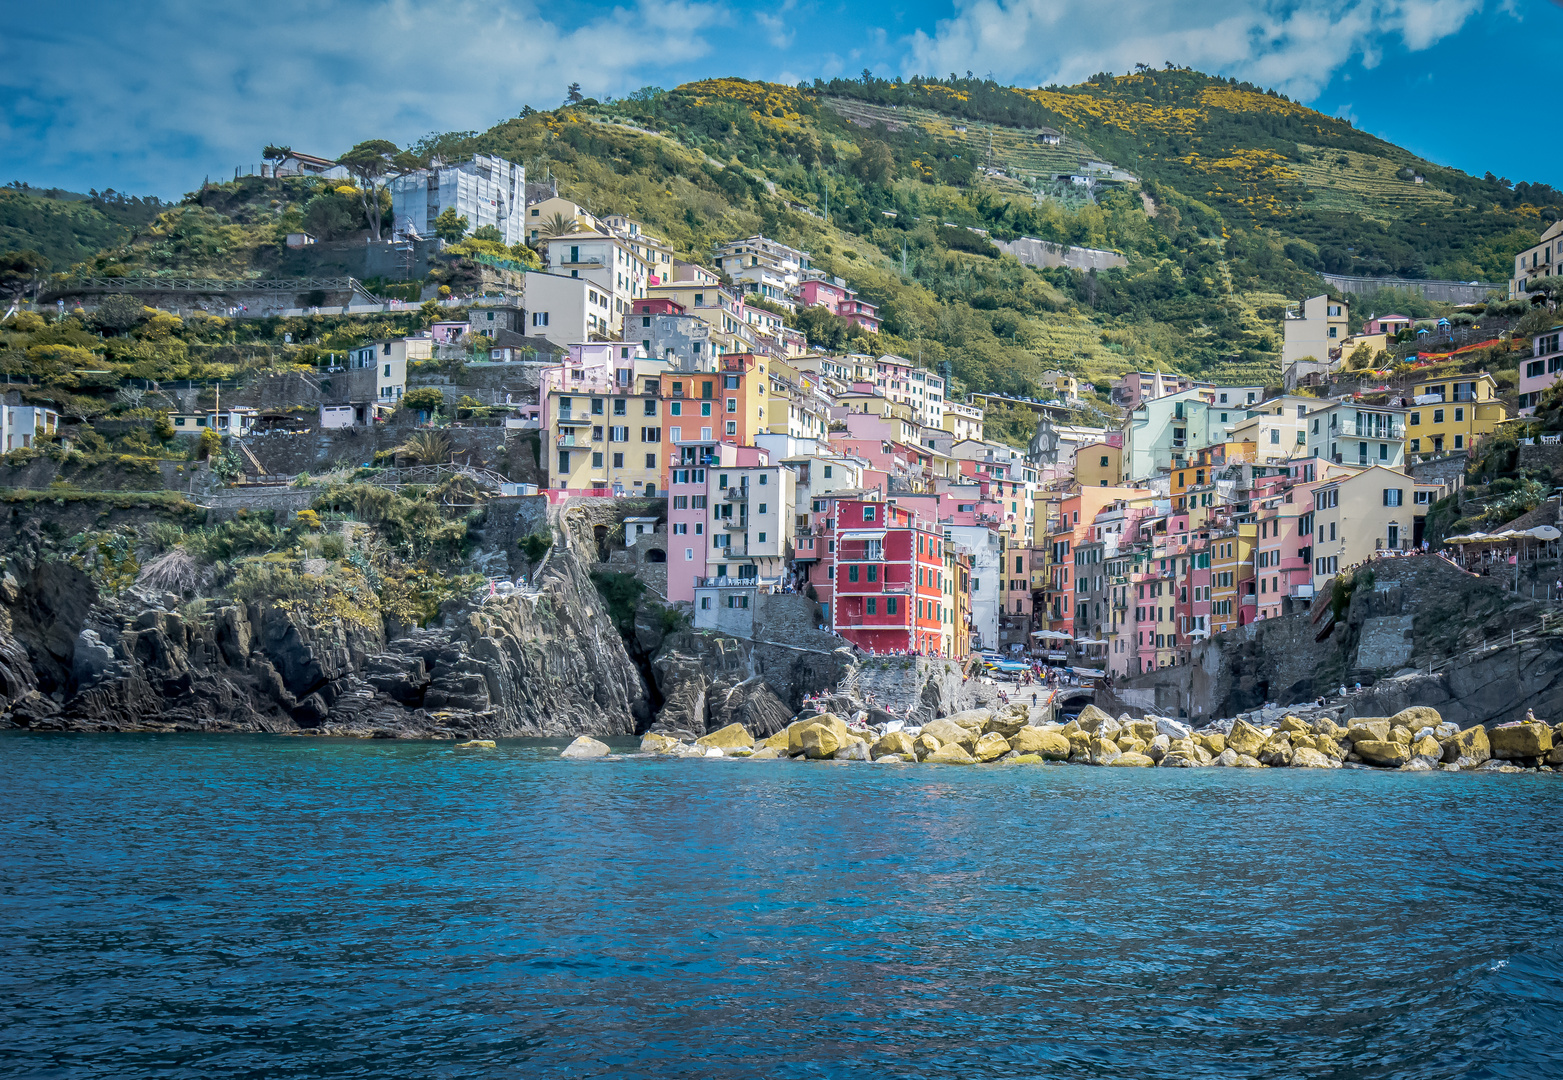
{"x":333,"y":546}
{"x":535,"y":546}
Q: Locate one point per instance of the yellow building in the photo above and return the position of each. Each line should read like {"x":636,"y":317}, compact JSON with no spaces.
{"x":605,"y":430}
{"x":1451,"y":413}
{"x":1231,"y":573}
{"x":1098,"y":464}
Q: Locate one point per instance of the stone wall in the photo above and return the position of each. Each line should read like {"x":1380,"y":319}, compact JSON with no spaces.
{"x":288,"y":453}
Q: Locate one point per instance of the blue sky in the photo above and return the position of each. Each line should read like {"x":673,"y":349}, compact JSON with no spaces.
{"x":149,"y":96}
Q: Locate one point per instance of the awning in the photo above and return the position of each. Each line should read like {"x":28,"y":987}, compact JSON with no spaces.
{"x":1051,"y":635}
{"x":861,"y":534}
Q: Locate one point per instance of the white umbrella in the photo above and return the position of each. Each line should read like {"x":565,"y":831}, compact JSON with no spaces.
{"x":1544,"y":532}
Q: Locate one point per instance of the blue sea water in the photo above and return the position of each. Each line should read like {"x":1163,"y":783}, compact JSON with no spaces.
{"x":219,"y":906}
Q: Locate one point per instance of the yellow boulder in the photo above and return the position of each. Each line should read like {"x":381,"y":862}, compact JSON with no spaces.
{"x":950,"y":754}
{"x":896,"y":742}
{"x":990,"y":747}
{"x":731,"y":737}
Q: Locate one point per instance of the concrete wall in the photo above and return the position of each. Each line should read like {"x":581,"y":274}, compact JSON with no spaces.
{"x":1035,"y":252}
{"x":1448,"y":292}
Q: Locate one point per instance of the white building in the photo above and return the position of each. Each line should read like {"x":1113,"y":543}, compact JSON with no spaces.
{"x":21,"y":424}
{"x":225,"y":421}
{"x":1540,"y":260}
{"x":760,"y":265}
{"x":566,"y":310}
{"x":486,"y":191}
{"x":1316,"y":331}
{"x":982,"y":545}
{"x":609,"y":262}
{"x":389,"y":359}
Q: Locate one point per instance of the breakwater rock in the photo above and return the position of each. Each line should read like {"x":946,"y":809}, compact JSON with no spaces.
{"x":1416,"y":739}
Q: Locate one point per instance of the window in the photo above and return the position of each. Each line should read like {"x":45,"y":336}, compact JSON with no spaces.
{"x":1416,"y":419}
{"x":1416,"y":444}
{"x":1459,"y":414}
{"x":891,"y":605}
{"x":539,"y":318}
{"x":732,"y":404}
{"x":1459,"y":442}
{"x":596,"y":406}
{"x":852,"y":573}
{"x":620,"y":407}
{"x":868,"y":513}
{"x":650,"y":409}
{"x":827,"y":472}
{"x":651,"y":461}
{"x":680,"y":502}
{"x":618,"y":461}
{"x":564,"y":461}
{"x":705,"y":408}
{"x":1438,"y":416}
{"x":873,"y":606}
{"x":732,"y":427}
{"x":618,"y":434}
{"x":596,"y":459}
{"x":873,"y":573}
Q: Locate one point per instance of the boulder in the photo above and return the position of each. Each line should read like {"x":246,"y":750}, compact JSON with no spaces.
{"x":950,"y":754}
{"x":1401,"y":735}
{"x":1277,"y":750}
{"x":1244,"y":761}
{"x":828,"y":720}
{"x":924,"y":745}
{"x":1143,"y":730}
{"x":1051,"y":745}
{"x":1446,"y":730}
{"x":971,"y":718}
{"x":1417,"y":717}
{"x":1329,"y":747}
{"x":948,"y":731}
{"x":1325,"y":726}
{"x":585,"y":747}
{"x":1202,"y":756}
{"x":990,"y":747}
{"x":1519,"y":740}
{"x":1427,"y":747}
{"x":1103,"y":751}
{"x":1071,"y":727}
{"x":1110,"y":729}
{"x":1419,"y":764}
{"x":1215,"y":742}
{"x":1499,"y":767}
{"x":856,"y":750}
{"x":779,"y":740}
{"x":1079,"y":743}
{"x":1173,"y":729}
{"x":653,"y":743}
{"x":821,"y":741}
{"x":1305,"y":758}
{"x":897,"y":742}
{"x":1246,"y":739}
{"x":477,"y":744}
{"x":896,"y":759}
{"x":1226,"y":758}
{"x":1382,"y":752}
{"x":1555,"y":755}
{"x":1130,"y":745}
{"x":1375,"y":729}
{"x":1158,"y":748}
{"x":1132,"y":760}
{"x":1178,"y":760}
{"x":731,"y":737}
{"x":1091,"y":718}
{"x":1024,"y":759}
{"x":1007,"y":723}
{"x":768,"y":753}
{"x":1470,"y":745}
{"x":1291,"y":723}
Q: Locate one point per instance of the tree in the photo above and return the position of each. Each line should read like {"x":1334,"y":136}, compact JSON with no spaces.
{"x":276,"y":155}
{"x":489,"y":233}
{"x":425,"y":447}
{"x":423,"y":399}
{"x":372,"y":164}
{"x":559,"y":225}
{"x":120,"y":313}
{"x":448,"y":226}
{"x":573,"y":95}
{"x":18,"y":269}
{"x":876,"y":165}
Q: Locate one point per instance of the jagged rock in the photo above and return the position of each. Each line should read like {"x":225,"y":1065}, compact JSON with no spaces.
{"x":1227,"y":758}
{"x":950,"y":754}
{"x":1091,"y":718}
{"x":795,"y":731}
{"x":1372,"y":729}
{"x":1471,"y":745}
{"x":585,"y":747}
{"x":1446,"y":730}
{"x":1178,"y":759}
{"x":1245,"y":739}
{"x":1291,"y":723}
{"x":731,"y":737}
{"x":1244,"y":761}
{"x":822,"y":741}
{"x":856,"y":750}
{"x":1427,"y":747}
{"x":1131,"y":745}
{"x":896,"y":742}
{"x":1519,"y":740}
{"x":1159,"y":747}
{"x":477,"y":744}
{"x":971,"y":718}
{"x":1214,"y":741}
{"x":1104,"y":752}
{"x":750,"y":704}
{"x":990,"y":747}
{"x":1416,"y":717}
{"x":948,"y":731}
{"x":655,"y":743}
{"x":924,"y":745}
{"x":1401,"y":735}
{"x":1008,"y":723}
{"x":1382,"y":752}
{"x":1420,"y":764}
{"x":1173,"y":729}
{"x":1306,"y":758}
{"x":1132,"y":760}
{"x":1051,"y":745}
{"x":767,"y":753}
{"x":1277,"y":750}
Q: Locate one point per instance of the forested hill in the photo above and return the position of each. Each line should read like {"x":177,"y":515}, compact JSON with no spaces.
{"x":1226,"y":200}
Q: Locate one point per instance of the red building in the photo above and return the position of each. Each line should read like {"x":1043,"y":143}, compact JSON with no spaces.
{"x":889,"y":578}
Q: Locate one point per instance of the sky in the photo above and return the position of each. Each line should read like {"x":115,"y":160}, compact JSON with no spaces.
{"x":150,"y":96}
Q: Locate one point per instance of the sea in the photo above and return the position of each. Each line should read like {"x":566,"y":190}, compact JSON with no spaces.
{"x":238,"y":906}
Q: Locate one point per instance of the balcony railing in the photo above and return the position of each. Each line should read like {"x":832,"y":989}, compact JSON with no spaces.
{"x":1353,"y":430}
{"x":741,"y":525}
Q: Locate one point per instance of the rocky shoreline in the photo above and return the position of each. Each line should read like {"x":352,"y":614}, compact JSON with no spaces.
{"x":1414,"y":740}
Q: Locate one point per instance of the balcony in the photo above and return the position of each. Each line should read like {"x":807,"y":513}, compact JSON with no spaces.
{"x":566,"y":420}
{"x":736,"y":494}
{"x":1250,"y":600}
{"x":1395,"y":429}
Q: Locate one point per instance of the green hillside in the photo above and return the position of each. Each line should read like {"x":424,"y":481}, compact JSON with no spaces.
{"x":66,"y":228}
{"x":1236,"y":199}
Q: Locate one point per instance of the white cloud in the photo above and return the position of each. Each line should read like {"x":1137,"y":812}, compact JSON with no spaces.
{"x":1292,"y":45}
{"x":214,"y":84}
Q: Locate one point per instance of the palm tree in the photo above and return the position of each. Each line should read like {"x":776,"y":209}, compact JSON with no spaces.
{"x":559,"y":225}
{"x":425,"y":447}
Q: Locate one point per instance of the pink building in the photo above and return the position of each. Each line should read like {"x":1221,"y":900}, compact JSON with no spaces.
{"x":841,"y":301}
{"x":689,"y":508}
{"x":1387,"y":324}
{"x":1543,"y":369}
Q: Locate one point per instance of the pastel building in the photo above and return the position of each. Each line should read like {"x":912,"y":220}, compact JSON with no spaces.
{"x":1542,"y":370}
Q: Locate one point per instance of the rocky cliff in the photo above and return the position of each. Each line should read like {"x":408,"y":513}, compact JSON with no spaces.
{"x":545,"y":661}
